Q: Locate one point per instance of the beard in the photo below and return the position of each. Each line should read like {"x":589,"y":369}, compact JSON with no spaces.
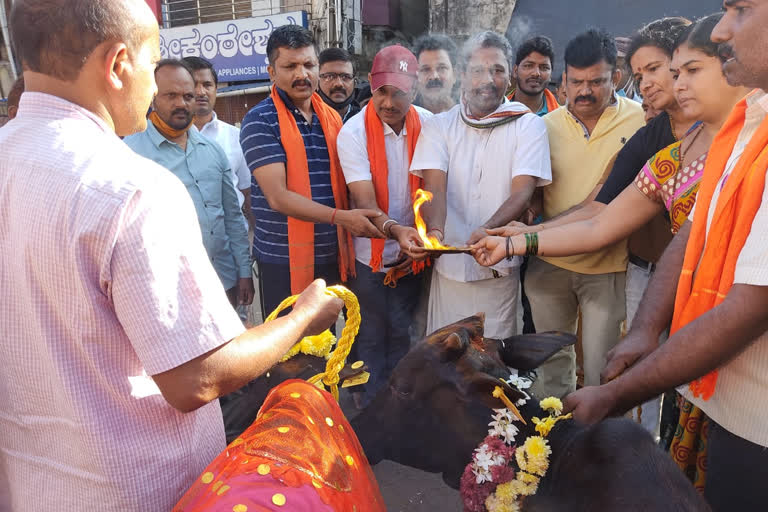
{"x":532,"y":89}
{"x":176,"y":123}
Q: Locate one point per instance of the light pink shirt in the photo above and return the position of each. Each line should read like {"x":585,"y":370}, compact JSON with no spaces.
{"x":103,"y":281}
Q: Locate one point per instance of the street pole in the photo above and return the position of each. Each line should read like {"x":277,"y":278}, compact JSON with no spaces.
{"x":7,"y":39}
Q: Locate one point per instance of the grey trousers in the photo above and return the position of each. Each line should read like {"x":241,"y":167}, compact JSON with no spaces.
{"x":556,"y":296}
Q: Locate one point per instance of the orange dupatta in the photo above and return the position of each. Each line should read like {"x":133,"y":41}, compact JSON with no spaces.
{"x":549,"y":98}
{"x":713,"y":257}
{"x":377,"y":156}
{"x":301,"y":234}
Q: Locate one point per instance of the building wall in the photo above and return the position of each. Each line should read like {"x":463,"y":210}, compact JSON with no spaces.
{"x":462,"y":18}
{"x":232,"y":109}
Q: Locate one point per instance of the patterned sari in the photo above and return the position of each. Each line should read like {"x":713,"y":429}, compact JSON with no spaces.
{"x":300,"y":454}
{"x":662,"y":180}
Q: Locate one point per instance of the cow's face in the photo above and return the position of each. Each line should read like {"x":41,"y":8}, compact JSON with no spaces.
{"x":438,"y":402}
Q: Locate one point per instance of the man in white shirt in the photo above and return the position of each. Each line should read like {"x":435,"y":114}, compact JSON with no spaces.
{"x":719,"y":336}
{"x":224,"y":134}
{"x":482,"y":160}
{"x":375,"y":149}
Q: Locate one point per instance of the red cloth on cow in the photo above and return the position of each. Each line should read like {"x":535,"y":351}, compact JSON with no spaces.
{"x":300,"y":454}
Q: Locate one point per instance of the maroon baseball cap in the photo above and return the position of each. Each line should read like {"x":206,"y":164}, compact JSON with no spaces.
{"x":396,"y":66}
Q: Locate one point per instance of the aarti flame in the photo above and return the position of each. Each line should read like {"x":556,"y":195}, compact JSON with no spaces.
{"x":430,"y":242}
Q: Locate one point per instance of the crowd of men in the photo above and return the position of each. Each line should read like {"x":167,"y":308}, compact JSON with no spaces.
{"x":120,"y":310}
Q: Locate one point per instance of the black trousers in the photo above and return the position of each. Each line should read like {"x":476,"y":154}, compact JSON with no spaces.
{"x":275,"y":283}
{"x":386,"y":314}
{"x":737,"y":472}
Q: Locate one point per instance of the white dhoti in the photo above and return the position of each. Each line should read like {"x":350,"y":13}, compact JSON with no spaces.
{"x":450,"y":301}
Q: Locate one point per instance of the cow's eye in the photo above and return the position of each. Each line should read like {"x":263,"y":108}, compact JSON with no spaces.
{"x":401,"y":392}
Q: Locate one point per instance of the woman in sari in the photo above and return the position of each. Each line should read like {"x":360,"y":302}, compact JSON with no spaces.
{"x":668,"y":181}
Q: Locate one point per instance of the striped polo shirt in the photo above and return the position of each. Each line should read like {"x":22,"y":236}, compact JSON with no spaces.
{"x":261,"y":143}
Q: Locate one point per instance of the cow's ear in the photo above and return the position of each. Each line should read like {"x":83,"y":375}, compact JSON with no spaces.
{"x":450,"y":345}
{"x":528,"y":351}
{"x":482,"y":386}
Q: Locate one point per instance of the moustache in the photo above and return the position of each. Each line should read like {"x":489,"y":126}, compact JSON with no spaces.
{"x":181,"y":111}
{"x":201,"y":98}
{"x":339,"y":89}
{"x":486,"y":89}
{"x":590,"y":99}
{"x":435,"y":83}
{"x":725,"y":51}
{"x":297,"y":83}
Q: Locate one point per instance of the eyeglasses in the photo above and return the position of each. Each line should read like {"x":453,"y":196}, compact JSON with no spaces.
{"x":331,"y":77}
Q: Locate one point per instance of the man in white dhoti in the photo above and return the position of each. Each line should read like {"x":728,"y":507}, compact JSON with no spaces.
{"x":482,"y":160}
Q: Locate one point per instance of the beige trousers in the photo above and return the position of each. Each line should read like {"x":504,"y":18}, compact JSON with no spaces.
{"x":451,"y":301}
{"x":556,"y":296}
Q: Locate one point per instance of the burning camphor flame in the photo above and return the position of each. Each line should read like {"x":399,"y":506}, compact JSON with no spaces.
{"x":430,"y":242}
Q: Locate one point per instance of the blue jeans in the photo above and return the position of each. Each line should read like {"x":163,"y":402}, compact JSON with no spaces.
{"x":386,"y":316}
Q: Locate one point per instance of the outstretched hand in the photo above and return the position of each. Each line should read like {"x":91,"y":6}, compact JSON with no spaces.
{"x":590,"y":404}
{"x":409,"y":240}
{"x":512,"y":229}
{"x":490,"y":250}
{"x":358,"y":222}
{"x":634,"y":347}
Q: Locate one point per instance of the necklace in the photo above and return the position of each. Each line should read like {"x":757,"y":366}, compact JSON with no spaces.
{"x":695,"y":133}
{"x":672,"y":127}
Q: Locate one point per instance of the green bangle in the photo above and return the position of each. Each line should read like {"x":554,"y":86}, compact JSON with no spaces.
{"x":531,"y":244}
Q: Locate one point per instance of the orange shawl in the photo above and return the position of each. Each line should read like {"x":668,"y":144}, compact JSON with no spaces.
{"x":300,"y":453}
{"x":301,"y":234}
{"x":713,"y":257}
{"x":166,"y":130}
{"x":377,"y":156}
{"x":549,"y":98}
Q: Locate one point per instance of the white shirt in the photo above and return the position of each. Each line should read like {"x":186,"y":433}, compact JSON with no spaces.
{"x":352,"y":146}
{"x":480,"y":163}
{"x":742,"y":384}
{"x":228,"y":137}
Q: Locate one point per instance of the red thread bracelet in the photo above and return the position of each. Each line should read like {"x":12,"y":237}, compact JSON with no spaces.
{"x":333,"y":215}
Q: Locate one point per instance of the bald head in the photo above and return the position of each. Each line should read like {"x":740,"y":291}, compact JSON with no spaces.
{"x":55,"y":37}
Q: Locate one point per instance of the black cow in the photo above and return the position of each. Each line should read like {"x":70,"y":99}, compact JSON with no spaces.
{"x":437,"y":406}
{"x":240,"y":407}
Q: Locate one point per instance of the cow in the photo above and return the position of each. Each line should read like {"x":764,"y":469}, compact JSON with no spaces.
{"x":437,"y":406}
{"x":240,"y":407}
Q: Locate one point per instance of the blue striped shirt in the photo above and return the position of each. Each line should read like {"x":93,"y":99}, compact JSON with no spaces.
{"x":260,"y":140}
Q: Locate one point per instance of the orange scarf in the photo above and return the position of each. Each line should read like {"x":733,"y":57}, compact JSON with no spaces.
{"x":713,"y":257}
{"x":301,"y":234}
{"x":549,"y":98}
{"x":165,"y":129}
{"x":377,"y":156}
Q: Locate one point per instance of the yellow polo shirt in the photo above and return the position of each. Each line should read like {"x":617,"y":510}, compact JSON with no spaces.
{"x":578,"y":163}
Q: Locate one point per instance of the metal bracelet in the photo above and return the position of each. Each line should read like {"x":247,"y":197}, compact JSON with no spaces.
{"x":384,"y":226}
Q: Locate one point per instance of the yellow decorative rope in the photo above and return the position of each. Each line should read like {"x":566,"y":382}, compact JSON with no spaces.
{"x":339,"y":356}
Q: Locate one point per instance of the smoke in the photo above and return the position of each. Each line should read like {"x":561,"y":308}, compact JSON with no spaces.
{"x":520,"y":28}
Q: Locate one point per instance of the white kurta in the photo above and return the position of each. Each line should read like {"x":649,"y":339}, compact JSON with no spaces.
{"x":481,"y":164}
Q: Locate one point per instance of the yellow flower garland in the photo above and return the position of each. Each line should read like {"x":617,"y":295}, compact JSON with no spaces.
{"x":533,"y":462}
